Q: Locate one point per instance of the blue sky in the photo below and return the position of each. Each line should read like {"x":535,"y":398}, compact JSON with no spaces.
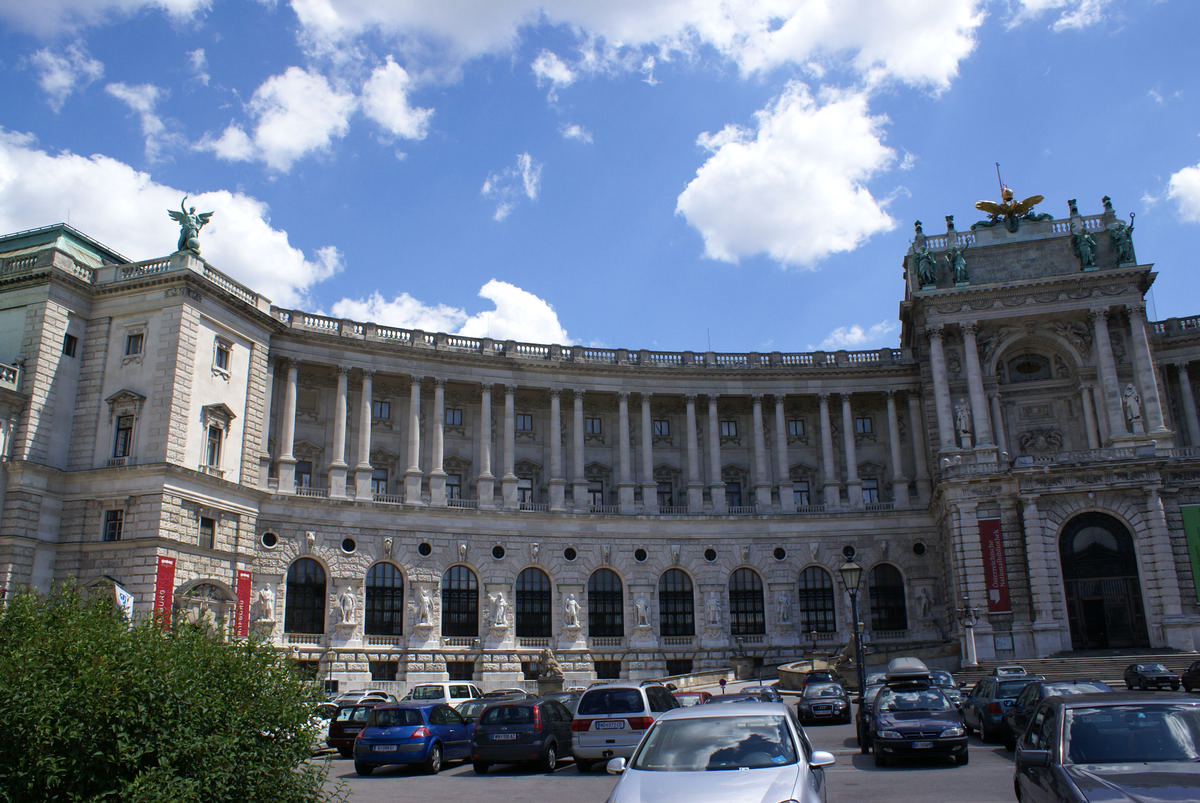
{"x":659,"y":174}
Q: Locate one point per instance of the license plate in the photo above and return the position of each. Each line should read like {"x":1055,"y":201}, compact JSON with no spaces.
{"x":922,"y":745}
{"x":610,"y":724}
{"x":496,"y":737}
{"x":352,"y":730}
{"x":384,"y":748}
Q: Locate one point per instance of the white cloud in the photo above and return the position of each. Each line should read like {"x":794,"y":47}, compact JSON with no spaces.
{"x":506,"y":188}
{"x":855,"y":337}
{"x":552,"y":70}
{"x":576,"y":132}
{"x":52,"y":17}
{"x":385,"y":100}
{"x":61,"y":74}
{"x":1184,"y":190}
{"x":794,"y":189}
{"x":198,"y":62}
{"x":297,"y":113}
{"x":1071,"y":14}
{"x":127,"y":210}
{"x":515,"y":315}
{"x":142,"y":100}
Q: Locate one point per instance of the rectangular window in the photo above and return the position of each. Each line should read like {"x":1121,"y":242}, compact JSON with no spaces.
{"x":114,"y":522}
{"x":596,"y":492}
{"x":801,"y":492}
{"x":303,"y":474}
{"x":381,"y":410}
{"x":384,"y":670}
{"x":123,"y":445}
{"x":733,"y":494}
{"x":70,"y":342}
{"x":133,"y":343}
{"x":530,"y":669}
{"x":454,"y":487}
{"x":666,"y":497}
{"x":679,"y":666}
{"x":870,"y":491}
{"x":208,"y":532}
{"x":591,"y":426}
{"x":611,"y":670}
{"x":453,"y":417}
{"x":862,"y":425}
{"x":729,"y":429}
{"x":212,"y":454}
{"x":222,"y":355}
{"x":524,"y":490}
{"x":460,"y":670}
{"x":524,"y":422}
{"x":379,"y":480}
{"x":661,"y":428}
{"x":795,"y":428}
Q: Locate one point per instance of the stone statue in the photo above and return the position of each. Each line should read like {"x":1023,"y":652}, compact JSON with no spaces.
{"x":571,"y":610}
{"x":641,"y":607}
{"x":499,"y":609}
{"x":926,"y":267}
{"x":425,"y":607}
{"x":713,"y":605}
{"x":785,"y":608}
{"x":264,"y":606}
{"x":548,"y":666}
{"x":346,"y":604}
{"x":962,"y":423}
{"x":1084,"y":246}
{"x":1120,"y":237}
{"x":958,"y":263}
{"x":924,"y":603}
{"x":190,"y":224}
{"x":1132,"y":404}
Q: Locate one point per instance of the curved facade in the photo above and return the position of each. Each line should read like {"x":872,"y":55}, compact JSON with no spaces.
{"x":400,"y":505}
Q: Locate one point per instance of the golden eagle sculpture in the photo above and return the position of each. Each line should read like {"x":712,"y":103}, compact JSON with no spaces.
{"x":1007,"y":211}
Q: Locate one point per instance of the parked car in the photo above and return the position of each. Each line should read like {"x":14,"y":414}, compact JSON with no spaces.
{"x":321,"y":718}
{"x":471,"y":709}
{"x":427,"y":734}
{"x":1150,"y":676}
{"x":768,"y":694}
{"x":823,"y":702}
{"x":819,"y":676}
{"x":718,"y":754}
{"x":452,"y":693}
{"x":949,"y":686}
{"x":522,"y":731}
{"x":1191,"y":676}
{"x":358,"y":695}
{"x":1012,"y":670}
{"x":737,"y":697}
{"x":983,"y":709}
{"x":345,"y":725}
{"x":1016,"y":716}
{"x":914,"y":719}
{"x":689,"y":698}
{"x":508,"y":694}
{"x":862,"y":715}
{"x":568,"y":698}
{"x":611,"y":719}
{"x":1110,"y":747}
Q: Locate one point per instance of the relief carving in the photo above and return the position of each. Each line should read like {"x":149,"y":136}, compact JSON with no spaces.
{"x":1047,"y":439}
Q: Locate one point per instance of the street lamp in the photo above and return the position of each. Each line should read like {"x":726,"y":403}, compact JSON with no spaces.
{"x":851,"y":576}
{"x":969,"y":619}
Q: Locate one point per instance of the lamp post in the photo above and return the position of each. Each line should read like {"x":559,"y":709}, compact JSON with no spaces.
{"x":851,"y":576}
{"x":969,"y":619}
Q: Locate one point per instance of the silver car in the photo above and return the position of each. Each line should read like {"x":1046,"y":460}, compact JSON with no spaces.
{"x":747,"y":752}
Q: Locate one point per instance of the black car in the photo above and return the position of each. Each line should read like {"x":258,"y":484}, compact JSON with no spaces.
{"x":1150,"y":676}
{"x":521,"y":731}
{"x":1191,"y":677}
{"x":916,"y":720}
{"x":1016,"y":716}
{"x":1109,"y":747}
{"x":823,"y":702}
{"x":862,"y":715}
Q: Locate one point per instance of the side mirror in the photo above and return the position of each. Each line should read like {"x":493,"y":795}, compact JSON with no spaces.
{"x":615,"y":766}
{"x":821,"y":758}
{"x":1032,"y":758}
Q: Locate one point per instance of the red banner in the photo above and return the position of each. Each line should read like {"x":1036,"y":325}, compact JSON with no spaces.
{"x":995,"y":570}
{"x":164,"y":588}
{"x":241,"y":626}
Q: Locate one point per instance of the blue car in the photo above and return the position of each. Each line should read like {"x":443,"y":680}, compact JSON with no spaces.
{"x":427,"y":734}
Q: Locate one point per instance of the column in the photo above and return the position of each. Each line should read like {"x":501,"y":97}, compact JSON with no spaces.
{"x":979,"y":408}
{"x":337,"y":463}
{"x":853,"y":484}
{"x":762,"y":482}
{"x":1161,"y":589}
{"x":941,"y":388}
{"x":265,"y":458}
{"x":363,"y":469}
{"x":830,"y":494}
{"x":1189,"y":404}
{"x":899,"y":479}
{"x":287,"y":437}
{"x":485,"y":483}
{"x":1089,"y":416}
{"x":1143,"y":369}
{"x":508,"y":482}
{"x":624,"y":479}
{"x":695,"y":488}
{"x":1039,"y":563}
{"x":998,"y":423}
{"x":413,"y":476}
{"x":716,"y":485}
{"x":437,"y":471}
{"x":649,"y":485}
{"x":916,"y":425}
{"x":787,"y":498}
{"x":558,"y":483}
{"x":1110,"y":395}
{"x":579,"y":481}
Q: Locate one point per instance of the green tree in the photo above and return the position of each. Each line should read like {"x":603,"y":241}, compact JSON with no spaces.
{"x":97,"y":709}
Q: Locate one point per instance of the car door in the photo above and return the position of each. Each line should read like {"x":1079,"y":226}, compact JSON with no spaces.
{"x":1038,"y":784}
{"x":560,"y":720}
{"x":978,"y":697}
{"x":456,"y":737}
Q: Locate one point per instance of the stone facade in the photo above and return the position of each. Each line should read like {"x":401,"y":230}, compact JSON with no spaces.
{"x":413,"y":506}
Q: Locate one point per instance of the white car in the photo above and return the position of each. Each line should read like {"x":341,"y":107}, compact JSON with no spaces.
{"x":454,"y":693}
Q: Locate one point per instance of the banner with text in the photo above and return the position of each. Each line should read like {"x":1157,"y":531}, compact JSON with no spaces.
{"x":1191,"y":533}
{"x":995,"y":570}
{"x":241,"y":627}
{"x":164,"y":588}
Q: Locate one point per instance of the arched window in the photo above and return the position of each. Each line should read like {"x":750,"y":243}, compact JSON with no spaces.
{"x":747,"y":611}
{"x":676,"y":605}
{"x":460,"y":603}
{"x":305,"y":608}
{"x":383,"y":613}
{"x":816,"y":601}
{"x":606,"y":617}
{"x":885,"y":587}
{"x":533,"y":604}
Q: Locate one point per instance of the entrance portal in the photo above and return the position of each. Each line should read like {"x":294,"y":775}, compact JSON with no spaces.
{"x":1100,"y":576}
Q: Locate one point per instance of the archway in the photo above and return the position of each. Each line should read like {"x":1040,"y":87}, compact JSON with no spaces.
{"x":1100,"y":581}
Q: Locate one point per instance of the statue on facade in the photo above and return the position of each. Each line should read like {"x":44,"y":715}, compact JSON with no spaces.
{"x":957,"y":262}
{"x":1131,"y":403}
{"x":785,"y":608}
{"x":190,"y":224}
{"x":571,"y":609}
{"x":926,"y":267}
{"x":713,"y":606}
{"x":1008,"y":211}
{"x":425,"y":607}
{"x":346,"y":604}
{"x":499,"y":615}
{"x":264,"y":605}
{"x":1120,"y":238}
{"x":641,"y":607}
{"x":962,"y":423}
{"x":1084,"y":246}
{"x":548,"y":666}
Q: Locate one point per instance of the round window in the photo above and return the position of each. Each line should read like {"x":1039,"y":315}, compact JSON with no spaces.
{"x":570,"y":554}
{"x":269,"y":540}
{"x":639,"y":555}
{"x":424,"y":549}
{"x":848,"y":552}
{"x":919,"y":548}
{"x":348,"y":545}
{"x":780,"y":553}
{"x":497,"y":552}
{"x":710,"y":554}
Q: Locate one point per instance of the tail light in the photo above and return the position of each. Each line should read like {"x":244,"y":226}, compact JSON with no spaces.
{"x":420,"y":733}
{"x":580,"y":725}
{"x":993,"y":708}
{"x":537,"y":718}
{"x":640,"y":723}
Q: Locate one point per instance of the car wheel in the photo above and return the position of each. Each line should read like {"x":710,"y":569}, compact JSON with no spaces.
{"x":550,"y":757}
{"x":985,"y":735}
{"x":1128,"y":685}
{"x":346,"y":752}
{"x":1174,"y":687}
{"x":433,"y":763}
{"x":481,"y":767}
{"x":865,"y":746}
{"x":964,"y":759}
{"x":1010,"y":742}
{"x":583,"y":764}
{"x":363,"y":769}
{"x":880,"y":759}
{"x":1142,"y":684}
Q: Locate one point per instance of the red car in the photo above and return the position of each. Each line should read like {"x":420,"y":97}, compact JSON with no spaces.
{"x":687,"y":698}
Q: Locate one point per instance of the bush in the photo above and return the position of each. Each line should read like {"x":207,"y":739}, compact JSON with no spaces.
{"x":96,"y":709}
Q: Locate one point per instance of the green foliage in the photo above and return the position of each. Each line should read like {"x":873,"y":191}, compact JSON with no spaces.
{"x":94,"y":709}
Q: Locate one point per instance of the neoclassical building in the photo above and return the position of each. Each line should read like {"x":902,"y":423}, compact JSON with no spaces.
{"x":391,"y":504}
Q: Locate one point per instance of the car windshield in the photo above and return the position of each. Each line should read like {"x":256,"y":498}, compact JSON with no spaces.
{"x":1132,"y":733}
{"x":507,"y":715}
{"x":600,"y":702}
{"x":926,"y":700}
{"x":688,"y":698}
{"x":1153,"y":668}
{"x":1010,"y":688}
{"x":395,"y":717}
{"x":942,"y":678}
{"x":353,"y":713}
{"x":822,"y":690}
{"x":428,"y":693}
{"x":472,"y":708}
{"x":1066,"y":687}
{"x":716,"y":743}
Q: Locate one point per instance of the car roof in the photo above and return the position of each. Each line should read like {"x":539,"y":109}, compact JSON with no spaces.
{"x":729,"y":710}
{"x":1098,"y":699}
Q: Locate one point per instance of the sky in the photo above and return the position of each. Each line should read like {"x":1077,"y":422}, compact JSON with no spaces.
{"x":672,"y":175}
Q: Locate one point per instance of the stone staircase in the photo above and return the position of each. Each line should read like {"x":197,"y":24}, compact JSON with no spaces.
{"x":1108,"y":667}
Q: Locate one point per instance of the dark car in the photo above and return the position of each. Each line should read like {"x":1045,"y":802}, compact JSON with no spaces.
{"x":949,"y":686}
{"x":568,"y":698}
{"x":522,"y":731}
{"x":819,"y":676}
{"x":738,"y":697}
{"x":914,"y":719}
{"x":346,"y":723}
{"x":768,"y":694}
{"x":471,"y":709}
{"x":862,"y":715}
{"x":1191,"y":677}
{"x":1110,"y":747}
{"x":689,"y":698}
{"x":1016,"y":716}
{"x":823,"y":702}
{"x":414,"y":732}
{"x":983,"y":709}
{"x":1150,"y":676}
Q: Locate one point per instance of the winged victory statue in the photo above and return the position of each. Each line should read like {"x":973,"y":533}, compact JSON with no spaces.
{"x":190,"y":224}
